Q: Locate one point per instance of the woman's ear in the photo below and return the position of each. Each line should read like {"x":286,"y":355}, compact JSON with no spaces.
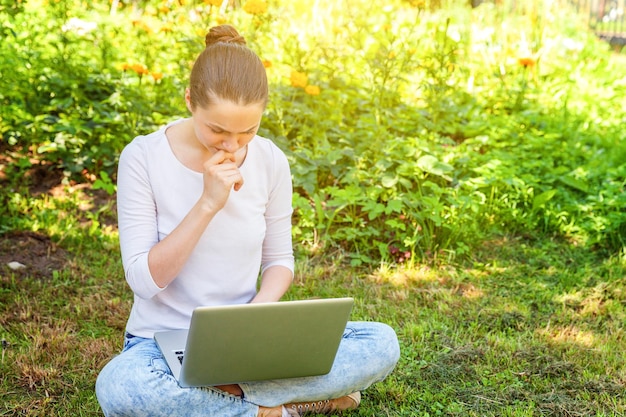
{"x":188,"y":99}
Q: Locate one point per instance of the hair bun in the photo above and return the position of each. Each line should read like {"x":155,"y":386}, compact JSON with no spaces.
{"x":225,"y":34}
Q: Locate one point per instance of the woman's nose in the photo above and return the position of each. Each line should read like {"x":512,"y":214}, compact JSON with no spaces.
{"x":230,"y":144}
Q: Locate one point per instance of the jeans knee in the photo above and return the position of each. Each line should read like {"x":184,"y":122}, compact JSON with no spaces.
{"x":384,"y":346}
{"x":391,"y":346}
{"x":107,"y":393}
{"x":114,"y":390}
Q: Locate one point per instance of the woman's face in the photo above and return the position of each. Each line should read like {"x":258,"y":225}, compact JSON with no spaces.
{"x":225,"y":125}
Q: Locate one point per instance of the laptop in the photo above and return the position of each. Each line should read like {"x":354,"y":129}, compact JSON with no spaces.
{"x":252,"y":342}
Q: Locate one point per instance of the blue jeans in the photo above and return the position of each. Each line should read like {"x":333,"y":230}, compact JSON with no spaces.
{"x":138,"y":381}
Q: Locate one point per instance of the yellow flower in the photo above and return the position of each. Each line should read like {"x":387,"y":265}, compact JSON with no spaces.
{"x":267,"y":64}
{"x":312,"y":90}
{"x":157,"y":76}
{"x":420,"y":4}
{"x":221,"y":20}
{"x":217,"y":3}
{"x":298,"y":79}
{"x":255,"y":7}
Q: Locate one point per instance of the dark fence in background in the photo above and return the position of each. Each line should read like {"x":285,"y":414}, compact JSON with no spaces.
{"x":607,"y":18}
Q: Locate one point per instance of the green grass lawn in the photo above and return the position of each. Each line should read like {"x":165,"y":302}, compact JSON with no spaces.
{"x":525,"y":327}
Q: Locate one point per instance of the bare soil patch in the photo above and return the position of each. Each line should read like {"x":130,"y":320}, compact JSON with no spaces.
{"x":37,"y":252}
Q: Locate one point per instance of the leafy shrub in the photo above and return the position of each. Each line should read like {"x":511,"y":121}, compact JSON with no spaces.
{"x":413,"y":128}
{"x":73,"y":104}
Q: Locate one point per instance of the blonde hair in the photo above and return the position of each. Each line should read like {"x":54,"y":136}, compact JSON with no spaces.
{"x":227,"y":69}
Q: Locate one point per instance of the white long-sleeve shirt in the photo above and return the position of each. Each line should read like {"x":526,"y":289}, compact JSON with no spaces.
{"x":155,"y":191}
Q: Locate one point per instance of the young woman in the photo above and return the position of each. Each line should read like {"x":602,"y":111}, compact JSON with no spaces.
{"x":203,"y":204}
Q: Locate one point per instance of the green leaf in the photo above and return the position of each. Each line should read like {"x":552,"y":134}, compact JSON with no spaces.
{"x":388,"y":181}
{"x":543,"y":198}
{"x":575,"y":183}
{"x":432,"y":165}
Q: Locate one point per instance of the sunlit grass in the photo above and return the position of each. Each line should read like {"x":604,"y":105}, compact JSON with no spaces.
{"x":505,"y":334}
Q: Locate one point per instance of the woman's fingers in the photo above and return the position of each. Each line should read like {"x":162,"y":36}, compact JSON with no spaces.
{"x":221,"y":175}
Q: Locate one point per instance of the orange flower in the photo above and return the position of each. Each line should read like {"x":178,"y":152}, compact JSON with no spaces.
{"x":298,"y":79}
{"x":139,"y":69}
{"x":267,"y":64}
{"x":525,"y":57}
{"x":157,"y":76}
{"x":141,"y":24}
{"x":527,"y":61}
{"x":167,"y":27}
{"x":312,"y":90}
{"x":255,"y":7}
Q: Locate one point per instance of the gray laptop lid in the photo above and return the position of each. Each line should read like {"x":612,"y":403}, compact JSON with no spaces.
{"x":251,"y":342}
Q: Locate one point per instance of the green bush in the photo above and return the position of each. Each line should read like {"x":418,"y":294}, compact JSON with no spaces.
{"x":414,"y":129}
